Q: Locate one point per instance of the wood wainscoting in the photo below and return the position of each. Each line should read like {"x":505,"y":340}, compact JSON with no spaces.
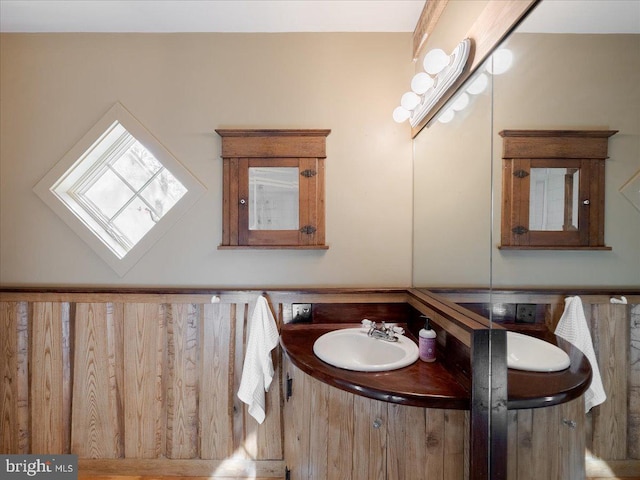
{"x":141,"y":384}
{"x":134,"y":385}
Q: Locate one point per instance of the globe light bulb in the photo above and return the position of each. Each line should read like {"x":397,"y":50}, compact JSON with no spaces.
{"x":478,"y":85}
{"x":400,"y":114}
{"x":435,"y":61}
{"x":500,"y":61}
{"x":447,"y":116}
{"x":409,"y":101}
{"x":461,"y":102}
{"x":421,"y":82}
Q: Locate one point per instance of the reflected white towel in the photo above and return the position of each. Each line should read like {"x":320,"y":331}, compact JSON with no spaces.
{"x":257,"y":371}
{"x":573,"y":328}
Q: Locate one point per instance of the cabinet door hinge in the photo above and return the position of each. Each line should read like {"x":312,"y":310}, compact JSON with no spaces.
{"x":308,"y":229}
{"x":520,"y":230}
{"x":287,"y":473}
{"x":308,"y":173}
{"x":520,"y":174}
{"x":289,"y":388}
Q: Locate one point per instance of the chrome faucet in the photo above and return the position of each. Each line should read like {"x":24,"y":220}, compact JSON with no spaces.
{"x":382,"y":331}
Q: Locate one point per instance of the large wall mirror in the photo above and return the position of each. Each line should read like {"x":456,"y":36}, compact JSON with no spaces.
{"x":578,"y":74}
{"x":565,"y":74}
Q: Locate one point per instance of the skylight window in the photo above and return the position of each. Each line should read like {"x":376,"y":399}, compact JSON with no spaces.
{"x":119,"y":186}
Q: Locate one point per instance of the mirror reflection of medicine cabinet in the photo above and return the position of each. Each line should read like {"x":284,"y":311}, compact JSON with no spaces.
{"x":273,"y":188}
{"x":553,"y":185}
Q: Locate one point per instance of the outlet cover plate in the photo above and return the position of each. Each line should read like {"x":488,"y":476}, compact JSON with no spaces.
{"x":301,"y":312}
{"x":526,"y":313}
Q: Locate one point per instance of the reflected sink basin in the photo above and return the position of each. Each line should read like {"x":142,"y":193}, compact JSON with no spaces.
{"x":353,"y":349}
{"x":534,"y":355}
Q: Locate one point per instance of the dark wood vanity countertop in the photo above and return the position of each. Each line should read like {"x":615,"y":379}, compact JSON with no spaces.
{"x":431,"y":385}
{"x":420,"y":384}
{"x":535,"y":390}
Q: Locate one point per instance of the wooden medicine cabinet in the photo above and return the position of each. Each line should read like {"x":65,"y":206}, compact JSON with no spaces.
{"x":553,"y":186}
{"x":273,"y":188}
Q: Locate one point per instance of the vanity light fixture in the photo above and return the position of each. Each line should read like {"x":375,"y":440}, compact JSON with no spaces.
{"x":428,"y":87}
{"x":441,"y":71}
{"x":497,"y":64}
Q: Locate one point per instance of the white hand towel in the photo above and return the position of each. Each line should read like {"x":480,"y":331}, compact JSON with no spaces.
{"x":573,"y":328}
{"x":257,"y":371}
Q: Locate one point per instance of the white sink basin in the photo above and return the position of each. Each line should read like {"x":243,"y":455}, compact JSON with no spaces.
{"x":534,"y":355}
{"x":353,"y":349}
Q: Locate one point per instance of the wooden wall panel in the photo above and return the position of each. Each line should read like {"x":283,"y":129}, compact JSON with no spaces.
{"x":14,"y":391}
{"x":97,"y":405}
{"x":49,"y":386}
{"x":259,"y":441}
{"x":633,"y":424}
{"x":216,"y":440}
{"x":269,"y":435}
{"x":183,"y":321}
{"x":143,"y":380}
{"x":242,"y":446}
{"x":611,"y":327}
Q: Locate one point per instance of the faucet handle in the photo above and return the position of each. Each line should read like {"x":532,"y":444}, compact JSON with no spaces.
{"x":366,"y":323}
{"x":398,"y":330}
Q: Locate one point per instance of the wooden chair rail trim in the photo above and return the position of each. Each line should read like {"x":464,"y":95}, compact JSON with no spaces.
{"x":546,"y":296}
{"x":202,"y":296}
{"x":466,"y":319}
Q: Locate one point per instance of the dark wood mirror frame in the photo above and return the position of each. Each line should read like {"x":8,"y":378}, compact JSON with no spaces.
{"x":583,"y":151}
{"x":301,"y":149}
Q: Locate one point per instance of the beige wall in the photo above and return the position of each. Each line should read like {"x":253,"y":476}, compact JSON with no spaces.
{"x":53,"y":88}
{"x":556,"y":82}
{"x":452,"y":200}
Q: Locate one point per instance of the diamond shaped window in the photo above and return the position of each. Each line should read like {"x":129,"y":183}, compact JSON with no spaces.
{"x":119,"y":186}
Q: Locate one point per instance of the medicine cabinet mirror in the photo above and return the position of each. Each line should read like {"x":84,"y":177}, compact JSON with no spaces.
{"x":553,"y":189}
{"x":273,"y":188}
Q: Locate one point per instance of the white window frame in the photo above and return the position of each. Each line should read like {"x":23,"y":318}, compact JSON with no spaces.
{"x":66,"y":172}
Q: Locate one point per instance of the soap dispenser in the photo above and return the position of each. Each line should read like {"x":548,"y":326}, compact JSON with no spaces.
{"x":427,"y":342}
